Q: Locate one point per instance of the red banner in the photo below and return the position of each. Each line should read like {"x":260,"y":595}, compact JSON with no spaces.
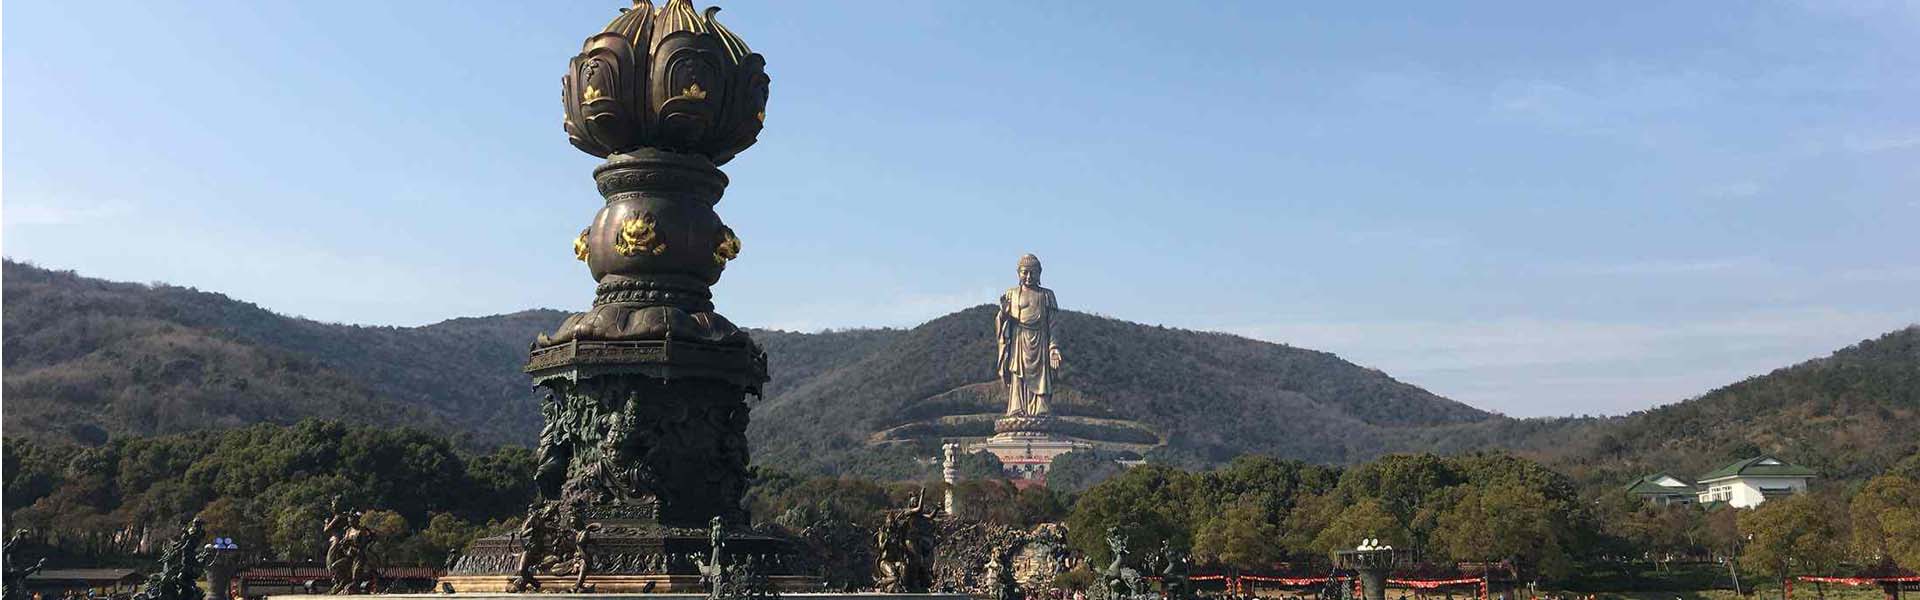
{"x":1859,"y":580}
{"x":1288,"y":580}
{"x":1427,"y":584}
{"x":1236,"y":584}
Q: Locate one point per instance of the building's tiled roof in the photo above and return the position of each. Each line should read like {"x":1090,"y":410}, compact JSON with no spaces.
{"x":320,"y":573}
{"x":84,"y":575}
{"x":1758,"y":466}
{"x":1651,"y":486}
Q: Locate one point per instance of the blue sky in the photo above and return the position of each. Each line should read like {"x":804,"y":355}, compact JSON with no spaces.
{"x":1535,"y":208}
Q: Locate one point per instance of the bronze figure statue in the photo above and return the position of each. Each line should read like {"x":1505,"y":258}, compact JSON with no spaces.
{"x":13,"y":575}
{"x":1117,"y":581}
{"x":181,"y":564}
{"x":1028,"y":355}
{"x":554,"y":541}
{"x":581,"y":534}
{"x":713,"y":571}
{"x":539,"y":537}
{"x":349,"y":551}
{"x":905,"y":544}
{"x":999,"y":577}
{"x":1174,"y":570}
{"x":743,"y":579}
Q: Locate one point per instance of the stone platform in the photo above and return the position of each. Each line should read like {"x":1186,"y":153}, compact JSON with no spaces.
{"x":1027,"y":446}
{"x":611,"y":585}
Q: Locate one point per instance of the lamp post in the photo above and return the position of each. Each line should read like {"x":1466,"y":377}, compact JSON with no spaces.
{"x":1371,"y":562}
{"x":223,"y":558}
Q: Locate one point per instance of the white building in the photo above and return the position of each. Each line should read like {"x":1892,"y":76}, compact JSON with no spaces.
{"x":1749,"y":482}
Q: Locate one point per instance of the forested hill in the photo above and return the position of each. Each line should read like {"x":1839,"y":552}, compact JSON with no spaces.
{"x":1209,"y":396}
{"x":1848,"y":416}
{"x":85,"y":359}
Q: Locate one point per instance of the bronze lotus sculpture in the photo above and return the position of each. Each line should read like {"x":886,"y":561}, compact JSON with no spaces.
{"x":644,"y":443}
{"x":665,"y":95}
{"x":672,"y":79}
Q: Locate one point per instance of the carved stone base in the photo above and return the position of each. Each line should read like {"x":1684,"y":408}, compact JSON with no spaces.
{"x":617,"y":584}
{"x":627,"y":557}
{"x":637,"y":448}
{"x":1031,"y":426}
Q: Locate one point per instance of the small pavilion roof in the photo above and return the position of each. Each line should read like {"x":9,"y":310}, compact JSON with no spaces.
{"x":1759,"y":466}
{"x":1660,"y":483}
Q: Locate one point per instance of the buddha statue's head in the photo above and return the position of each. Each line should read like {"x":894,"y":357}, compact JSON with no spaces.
{"x":1030,"y":271}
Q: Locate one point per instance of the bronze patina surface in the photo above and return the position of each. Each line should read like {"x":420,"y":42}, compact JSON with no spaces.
{"x":644,"y":451}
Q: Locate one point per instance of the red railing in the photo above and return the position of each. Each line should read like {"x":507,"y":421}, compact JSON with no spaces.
{"x":1891,"y":584}
{"x":1237,"y":584}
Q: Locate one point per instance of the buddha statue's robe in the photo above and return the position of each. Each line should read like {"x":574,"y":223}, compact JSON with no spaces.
{"x":1025,"y":332}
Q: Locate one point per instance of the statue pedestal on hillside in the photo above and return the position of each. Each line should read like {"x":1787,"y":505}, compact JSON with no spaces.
{"x":643,"y":456}
{"x":1026,"y":438}
{"x":1028,"y":448}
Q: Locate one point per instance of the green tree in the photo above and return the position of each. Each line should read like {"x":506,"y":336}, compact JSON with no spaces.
{"x":1402,"y":483}
{"x":1276,"y":485}
{"x":449,"y":533}
{"x":1886,"y":520}
{"x":1080,"y":469}
{"x":1362,"y":520}
{"x":1410,"y":487}
{"x":1302,"y":526}
{"x":1503,"y":521}
{"x":1148,"y":504}
{"x":295,"y":510}
{"x":820,"y":498}
{"x":1908,"y":467}
{"x":386,"y":524}
{"x":501,"y":483}
{"x":1244,"y":536}
{"x":1040,"y":504}
{"x":992,"y":501}
{"x":236,"y":519}
{"x":1796,"y":535}
{"x":980,"y":465}
{"x":31,"y":472}
{"x":295,"y":532}
{"x":392,"y":543}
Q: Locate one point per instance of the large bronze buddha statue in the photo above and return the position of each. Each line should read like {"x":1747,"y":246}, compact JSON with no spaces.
{"x":1028,"y":355}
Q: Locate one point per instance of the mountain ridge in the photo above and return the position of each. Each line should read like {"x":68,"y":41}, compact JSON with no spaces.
{"x":86,"y":359}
